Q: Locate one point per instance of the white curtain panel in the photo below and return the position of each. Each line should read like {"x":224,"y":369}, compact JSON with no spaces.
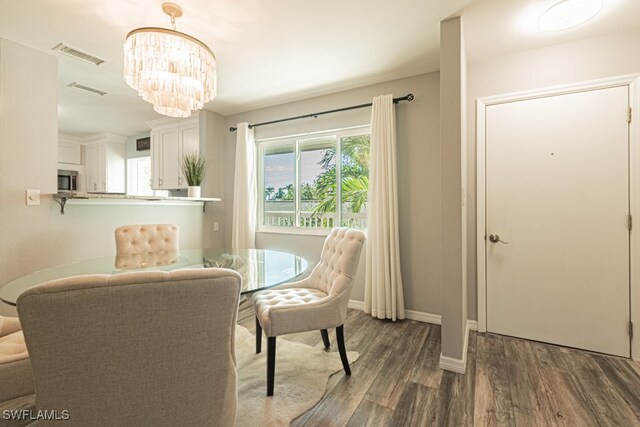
{"x":245,"y":200}
{"x":383,"y":296}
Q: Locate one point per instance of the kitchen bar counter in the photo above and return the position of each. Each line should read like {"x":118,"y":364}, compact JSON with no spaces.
{"x":110,"y":198}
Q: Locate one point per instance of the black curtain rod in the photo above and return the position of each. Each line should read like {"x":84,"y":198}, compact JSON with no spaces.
{"x":409,"y":97}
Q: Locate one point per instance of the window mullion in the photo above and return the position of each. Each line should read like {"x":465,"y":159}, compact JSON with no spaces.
{"x":296,"y":192}
{"x":261,"y":194}
{"x":338,"y":182}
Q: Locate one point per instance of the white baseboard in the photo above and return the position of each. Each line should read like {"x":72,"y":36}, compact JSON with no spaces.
{"x":448,"y":363}
{"x":459,"y":365}
{"x":454,"y":365}
{"x":419,"y":316}
{"x":356,"y":305}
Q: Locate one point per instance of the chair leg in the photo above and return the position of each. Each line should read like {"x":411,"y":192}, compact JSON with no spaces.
{"x":258,"y":336}
{"x":271,"y":364}
{"x":325,"y":338}
{"x":342,"y":350}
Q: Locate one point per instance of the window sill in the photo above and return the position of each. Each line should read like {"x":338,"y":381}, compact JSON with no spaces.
{"x":301,"y":231}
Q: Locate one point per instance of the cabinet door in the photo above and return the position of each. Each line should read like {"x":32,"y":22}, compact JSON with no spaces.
{"x":102,"y":168}
{"x":92,"y":168}
{"x":189,"y":144}
{"x":156,"y":161}
{"x":171,"y":174}
{"x":114,"y":168}
{"x":69,"y":153}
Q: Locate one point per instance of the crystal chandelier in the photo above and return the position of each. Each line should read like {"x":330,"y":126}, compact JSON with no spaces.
{"x":173,"y":71}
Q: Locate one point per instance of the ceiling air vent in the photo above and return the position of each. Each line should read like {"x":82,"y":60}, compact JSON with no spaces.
{"x":78,"y":54}
{"x":87,"y":88}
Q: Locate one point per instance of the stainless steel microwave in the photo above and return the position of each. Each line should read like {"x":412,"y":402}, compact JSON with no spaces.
{"x":67,"y":180}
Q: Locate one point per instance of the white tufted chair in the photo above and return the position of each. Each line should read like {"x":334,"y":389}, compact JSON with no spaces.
{"x":146,"y":238}
{"x":16,"y":377}
{"x":147,"y":260}
{"x":318,"y":302}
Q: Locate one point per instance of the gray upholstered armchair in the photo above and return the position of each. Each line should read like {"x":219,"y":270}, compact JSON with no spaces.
{"x":144,"y":348}
{"x":318,"y":302}
{"x":16,"y":378}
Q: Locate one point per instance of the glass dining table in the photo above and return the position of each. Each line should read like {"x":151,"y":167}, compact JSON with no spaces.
{"x":259,"y":268}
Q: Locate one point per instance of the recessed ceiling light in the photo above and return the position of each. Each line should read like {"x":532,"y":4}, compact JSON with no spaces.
{"x":569,"y":13}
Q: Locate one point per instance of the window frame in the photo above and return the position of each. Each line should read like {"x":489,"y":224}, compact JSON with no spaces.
{"x":297,"y":141}
{"x":132,"y":166}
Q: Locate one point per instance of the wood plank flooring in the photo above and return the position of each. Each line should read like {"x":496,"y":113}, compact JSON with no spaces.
{"x":509,"y":381}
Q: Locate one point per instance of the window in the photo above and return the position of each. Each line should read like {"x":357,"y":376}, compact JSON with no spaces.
{"x":139,"y":176}
{"x":301,"y":180}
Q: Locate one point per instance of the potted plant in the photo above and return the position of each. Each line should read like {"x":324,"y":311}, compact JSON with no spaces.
{"x":194,"y":168}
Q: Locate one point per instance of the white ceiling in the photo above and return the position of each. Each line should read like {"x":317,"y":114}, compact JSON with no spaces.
{"x":271,"y":52}
{"x":498,"y":27}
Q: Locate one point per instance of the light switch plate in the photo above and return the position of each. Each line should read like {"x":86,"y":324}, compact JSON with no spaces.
{"x":215,"y":226}
{"x":33,"y":197}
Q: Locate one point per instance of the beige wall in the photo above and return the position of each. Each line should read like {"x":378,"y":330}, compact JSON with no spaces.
{"x":213,"y":131}
{"x":418,"y":177}
{"x":28,"y":150}
{"x":34,"y":237}
{"x":452,"y":147}
{"x":588,"y":59}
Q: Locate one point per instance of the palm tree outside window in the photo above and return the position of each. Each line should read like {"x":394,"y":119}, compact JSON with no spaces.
{"x":302,"y":179}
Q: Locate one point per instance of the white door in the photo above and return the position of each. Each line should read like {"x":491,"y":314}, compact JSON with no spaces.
{"x":557,"y":190}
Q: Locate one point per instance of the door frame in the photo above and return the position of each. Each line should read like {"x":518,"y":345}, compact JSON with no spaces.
{"x":633,"y":82}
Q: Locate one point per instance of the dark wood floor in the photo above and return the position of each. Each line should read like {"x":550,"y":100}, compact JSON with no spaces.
{"x":397,"y":382}
{"x":509,"y":381}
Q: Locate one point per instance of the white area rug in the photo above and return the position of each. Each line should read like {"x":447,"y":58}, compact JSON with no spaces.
{"x":301,"y":378}
{"x":302,"y":373}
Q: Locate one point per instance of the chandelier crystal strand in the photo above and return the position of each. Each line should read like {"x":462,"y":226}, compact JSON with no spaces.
{"x":173,"y":71}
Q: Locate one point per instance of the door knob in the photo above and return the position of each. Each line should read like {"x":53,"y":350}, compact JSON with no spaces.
{"x":494,"y":238}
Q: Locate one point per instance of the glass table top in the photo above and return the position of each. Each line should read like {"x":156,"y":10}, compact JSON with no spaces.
{"x":259,"y":268}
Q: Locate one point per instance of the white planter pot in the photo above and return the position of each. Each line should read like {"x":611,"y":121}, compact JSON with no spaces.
{"x":194,"y":191}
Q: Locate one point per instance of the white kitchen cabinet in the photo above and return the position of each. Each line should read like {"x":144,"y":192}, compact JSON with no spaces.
{"x":69,"y":152}
{"x":171,"y":139}
{"x":105,"y":164}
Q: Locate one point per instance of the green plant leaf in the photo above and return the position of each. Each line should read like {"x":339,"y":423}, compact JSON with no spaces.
{"x":194,"y":168}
